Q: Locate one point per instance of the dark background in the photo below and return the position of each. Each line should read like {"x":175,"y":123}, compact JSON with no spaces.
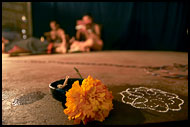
{"x":125,"y":25}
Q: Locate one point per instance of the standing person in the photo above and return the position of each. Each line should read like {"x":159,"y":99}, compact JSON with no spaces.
{"x":88,"y":35}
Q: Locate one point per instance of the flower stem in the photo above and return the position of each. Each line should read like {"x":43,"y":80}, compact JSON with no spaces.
{"x":78,"y":72}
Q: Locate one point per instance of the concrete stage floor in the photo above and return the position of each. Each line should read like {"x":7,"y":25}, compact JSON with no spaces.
{"x":28,"y":77}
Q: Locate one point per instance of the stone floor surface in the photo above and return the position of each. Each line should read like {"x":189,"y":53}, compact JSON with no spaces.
{"x":29,"y":76}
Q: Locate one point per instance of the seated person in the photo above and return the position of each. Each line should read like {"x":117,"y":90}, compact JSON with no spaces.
{"x":54,"y":39}
{"x":88,"y":35}
{"x":57,"y":38}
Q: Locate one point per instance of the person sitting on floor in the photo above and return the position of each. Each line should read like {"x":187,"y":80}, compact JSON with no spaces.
{"x":88,"y":35}
{"x":57,"y":38}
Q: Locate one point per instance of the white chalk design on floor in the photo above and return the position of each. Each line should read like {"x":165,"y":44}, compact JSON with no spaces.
{"x":153,"y":99}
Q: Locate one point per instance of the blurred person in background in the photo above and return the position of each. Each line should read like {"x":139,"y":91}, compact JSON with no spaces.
{"x":57,"y":38}
{"x":30,"y":45}
{"x":55,"y":42}
{"x":88,"y":36}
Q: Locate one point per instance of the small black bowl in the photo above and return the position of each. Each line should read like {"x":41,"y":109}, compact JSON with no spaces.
{"x":59,"y":94}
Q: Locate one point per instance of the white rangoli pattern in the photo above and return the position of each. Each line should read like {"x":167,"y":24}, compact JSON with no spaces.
{"x":153,"y":99}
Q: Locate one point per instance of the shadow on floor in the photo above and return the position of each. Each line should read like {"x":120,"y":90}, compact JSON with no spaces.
{"x":122,"y":114}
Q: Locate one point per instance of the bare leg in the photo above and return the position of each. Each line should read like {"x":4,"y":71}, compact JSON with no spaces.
{"x":61,"y":49}
{"x":77,"y":46}
{"x":93,"y":42}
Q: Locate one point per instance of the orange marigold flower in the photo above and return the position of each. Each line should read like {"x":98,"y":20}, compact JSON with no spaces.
{"x":88,"y":102}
